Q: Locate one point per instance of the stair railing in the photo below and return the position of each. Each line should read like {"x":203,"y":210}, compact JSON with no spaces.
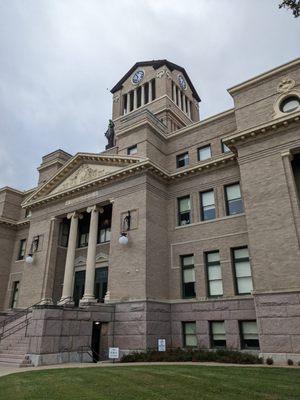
{"x":8,"y":331}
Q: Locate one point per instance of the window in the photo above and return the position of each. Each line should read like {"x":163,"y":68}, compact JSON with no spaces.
{"x":83,"y":229}
{"x":204,"y":153}
{"x":64,"y":232}
{"x":105,"y":224}
{"x":290,"y":104}
{"x":132,"y":150}
{"x":249,"y":335}
{"x":208,"y":210}
{"x":217,"y":334}
{"x":234,"y":202}
{"x":189,"y":334}
{"x":28,"y":213}
{"x":188,"y":277}
{"x":214,"y":274}
{"x":15,"y":294}
{"x":242,"y":269}
{"x":184,"y":210}
{"x":22,"y":248}
{"x":182,"y":160}
{"x":225,"y":149}
{"x":153,"y":89}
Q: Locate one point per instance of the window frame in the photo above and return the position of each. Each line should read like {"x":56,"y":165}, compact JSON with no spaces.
{"x":227,"y":201}
{"x":185,"y":156}
{"x":22,"y":249}
{"x":211,"y":264}
{"x":201,"y":148}
{"x":202,"y":206}
{"x":183,"y":324}
{"x":212,"y":345}
{"x":223,"y":148}
{"x":183,"y":268}
{"x":179,"y":213}
{"x":234,"y":269}
{"x":242,"y":340}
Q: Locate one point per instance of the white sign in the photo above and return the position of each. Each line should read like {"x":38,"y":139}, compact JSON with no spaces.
{"x":113,"y":352}
{"x":161,"y":344}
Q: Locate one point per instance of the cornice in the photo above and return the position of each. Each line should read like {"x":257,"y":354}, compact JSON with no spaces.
{"x":263,"y":76}
{"x":13,"y":223}
{"x":271,"y":126}
{"x":141,"y":167}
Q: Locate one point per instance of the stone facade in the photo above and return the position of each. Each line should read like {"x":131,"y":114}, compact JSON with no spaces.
{"x":139,"y":287}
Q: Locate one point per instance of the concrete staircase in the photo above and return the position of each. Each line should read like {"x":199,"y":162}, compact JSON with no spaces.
{"x":13,"y":340}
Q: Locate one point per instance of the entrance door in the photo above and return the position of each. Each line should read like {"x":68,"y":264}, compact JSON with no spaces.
{"x":78,"y":286}
{"x":101,"y":276}
{"x":95,"y":345}
{"x":15,"y":294}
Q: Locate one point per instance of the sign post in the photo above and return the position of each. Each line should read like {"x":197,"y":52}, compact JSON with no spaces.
{"x":161,"y":344}
{"x":113,"y":353}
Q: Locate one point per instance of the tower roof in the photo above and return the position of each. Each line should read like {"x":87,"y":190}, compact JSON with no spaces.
{"x":156,"y":64}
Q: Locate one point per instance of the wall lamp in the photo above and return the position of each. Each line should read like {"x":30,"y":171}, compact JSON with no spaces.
{"x":123,"y":239}
{"x":33,"y":248}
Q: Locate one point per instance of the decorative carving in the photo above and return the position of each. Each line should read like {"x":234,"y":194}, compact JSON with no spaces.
{"x":161,"y":73}
{"x":285,"y":85}
{"x":116,"y":98}
{"x":110,"y":135}
{"x":85,"y":173}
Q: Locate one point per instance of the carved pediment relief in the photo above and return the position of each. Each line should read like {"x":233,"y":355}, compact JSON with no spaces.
{"x":85,"y":173}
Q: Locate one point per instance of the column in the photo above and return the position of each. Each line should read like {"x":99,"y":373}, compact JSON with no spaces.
{"x":135,"y":99}
{"x":67,"y":294}
{"x":184,"y":103}
{"x":179,"y":98}
{"x":89,"y":296}
{"x":174,"y":94}
{"x":150,"y":91}
{"x":143,"y":95}
{"x":128,"y":103}
{"x":189,"y":108}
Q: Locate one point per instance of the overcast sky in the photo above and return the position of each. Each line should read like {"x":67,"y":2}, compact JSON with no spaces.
{"x":60,"y":58}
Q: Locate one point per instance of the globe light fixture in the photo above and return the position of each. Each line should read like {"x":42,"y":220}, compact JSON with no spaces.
{"x":123,"y":239}
{"x":29,"y":259}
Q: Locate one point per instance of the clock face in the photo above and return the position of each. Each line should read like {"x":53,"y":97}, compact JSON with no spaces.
{"x":182,"y":82}
{"x":138,"y":76}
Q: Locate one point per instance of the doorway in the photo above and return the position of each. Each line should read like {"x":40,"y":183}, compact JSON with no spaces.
{"x":96,"y":338}
{"x":101,"y":275}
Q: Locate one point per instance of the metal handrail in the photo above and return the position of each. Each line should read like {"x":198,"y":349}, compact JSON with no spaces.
{"x":5,"y":333}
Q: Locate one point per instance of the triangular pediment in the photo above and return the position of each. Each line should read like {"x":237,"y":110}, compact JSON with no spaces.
{"x":83,"y":169}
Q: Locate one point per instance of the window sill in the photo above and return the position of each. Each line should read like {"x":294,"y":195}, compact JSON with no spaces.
{"x":210,"y":221}
{"x":21,"y":260}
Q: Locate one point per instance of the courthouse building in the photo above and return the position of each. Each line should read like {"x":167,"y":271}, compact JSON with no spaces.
{"x":182,"y":229}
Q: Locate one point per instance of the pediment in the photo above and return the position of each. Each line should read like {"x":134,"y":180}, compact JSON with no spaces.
{"x":82,"y":169}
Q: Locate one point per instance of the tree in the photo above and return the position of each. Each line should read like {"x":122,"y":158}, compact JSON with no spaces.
{"x":293,"y":5}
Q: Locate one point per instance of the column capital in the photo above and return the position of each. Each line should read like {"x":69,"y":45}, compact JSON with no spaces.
{"x":74,"y":214}
{"x":93,"y":208}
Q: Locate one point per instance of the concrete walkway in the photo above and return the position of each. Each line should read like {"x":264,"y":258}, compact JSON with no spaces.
{"x":8,"y":369}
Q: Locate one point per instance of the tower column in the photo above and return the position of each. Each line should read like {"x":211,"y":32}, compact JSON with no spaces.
{"x":143,"y":95}
{"x":128,"y":103}
{"x":184,"y":103}
{"x":189,"y":108}
{"x":89,"y":296}
{"x":150,"y":91}
{"x":67,"y":293}
{"x":174,"y":94}
{"x":179,"y":98}
{"x":135,"y":99}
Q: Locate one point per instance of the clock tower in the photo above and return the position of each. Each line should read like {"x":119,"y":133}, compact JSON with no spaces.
{"x":161,"y":87}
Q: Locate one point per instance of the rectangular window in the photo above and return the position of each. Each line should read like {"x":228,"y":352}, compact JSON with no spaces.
{"x":234,"y":202}
{"x":83,"y":230}
{"x":188,"y":277}
{"x":124,"y":103}
{"x":182,"y":160}
{"x":22,"y":248}
{"x":15,"y":294}
{"x":153,"y":89}
{"x":214,"y":274}
{"x":242,"y":271}
{"x":104,"y":225}
{"x":104,"y":235}
{"x":204,"y":153}
{"x":189,"y":334}
{"x":64,"y":232}
{"x":249,"y":335}
{"x":225,"y":149}
{"x":184,"y":210}
{"x":132,"y":150}
{"x":208,"y":209}
{"x":217,"y":334}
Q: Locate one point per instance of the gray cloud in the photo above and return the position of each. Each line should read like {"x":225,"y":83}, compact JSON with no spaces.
{"x":59,"y":57}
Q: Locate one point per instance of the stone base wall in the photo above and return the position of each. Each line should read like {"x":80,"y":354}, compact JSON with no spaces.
{"x":278,"y":317}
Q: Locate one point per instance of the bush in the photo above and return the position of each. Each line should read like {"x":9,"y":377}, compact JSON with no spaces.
{"x":269,"y":361}
{"x":196,"y":355}
{"x":290,"y":362}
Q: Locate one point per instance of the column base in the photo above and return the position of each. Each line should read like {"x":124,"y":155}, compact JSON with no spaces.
{"x":66,"y":301}
{"x":87,"y":301}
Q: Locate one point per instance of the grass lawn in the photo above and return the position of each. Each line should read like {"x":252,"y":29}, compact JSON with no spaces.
{"x":153,"y":383}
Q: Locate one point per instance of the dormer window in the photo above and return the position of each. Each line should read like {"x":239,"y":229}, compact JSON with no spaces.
{"x":132,"y":150}
{"x":290,"y":104}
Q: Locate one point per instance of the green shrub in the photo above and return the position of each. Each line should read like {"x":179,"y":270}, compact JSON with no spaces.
{"x":196,"y":355}
{"x":269,"y":361}
{"x":290,"y":362}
